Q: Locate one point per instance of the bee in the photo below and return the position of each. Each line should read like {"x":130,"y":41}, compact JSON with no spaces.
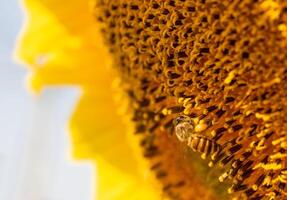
{"x":186,"y":132}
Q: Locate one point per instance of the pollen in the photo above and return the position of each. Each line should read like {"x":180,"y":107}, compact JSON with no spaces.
{"x":224,"y":65}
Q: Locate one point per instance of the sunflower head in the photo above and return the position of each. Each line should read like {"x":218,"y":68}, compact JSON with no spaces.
{"x":196,"y":79}
{"x":212,"y":62}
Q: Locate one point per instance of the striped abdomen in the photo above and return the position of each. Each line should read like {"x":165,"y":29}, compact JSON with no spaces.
{"x":203,"y":145}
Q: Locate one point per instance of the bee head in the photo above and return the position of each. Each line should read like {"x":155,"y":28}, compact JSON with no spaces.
{"x":181,"y":119}
{"x":183,"y":127}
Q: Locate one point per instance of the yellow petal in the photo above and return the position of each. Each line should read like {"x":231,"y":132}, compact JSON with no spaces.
{"x":98,"y":132}
{"x":61,"y":44}
{"x":116,"y":185}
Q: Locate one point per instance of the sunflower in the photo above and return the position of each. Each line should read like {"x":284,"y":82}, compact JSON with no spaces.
{"x":145,"y":65}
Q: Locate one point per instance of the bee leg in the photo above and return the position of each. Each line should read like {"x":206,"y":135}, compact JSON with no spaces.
{"x":213,"y":156}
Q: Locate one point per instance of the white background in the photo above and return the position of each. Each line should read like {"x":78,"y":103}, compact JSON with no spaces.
{"x":34,"y":144}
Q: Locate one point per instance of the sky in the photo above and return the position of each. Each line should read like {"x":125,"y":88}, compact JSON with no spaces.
{"x":35,"y":161}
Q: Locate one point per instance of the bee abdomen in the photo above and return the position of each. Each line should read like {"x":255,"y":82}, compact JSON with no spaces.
{"x":203,"y":145}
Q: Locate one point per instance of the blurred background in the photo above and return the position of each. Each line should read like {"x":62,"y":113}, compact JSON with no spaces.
{"x":35,"y":161}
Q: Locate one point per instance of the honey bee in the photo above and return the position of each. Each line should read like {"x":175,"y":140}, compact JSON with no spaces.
{"x":186,"y":132}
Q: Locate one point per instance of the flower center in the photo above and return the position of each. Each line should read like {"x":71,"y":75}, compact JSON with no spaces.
{"x":221,"y":63}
